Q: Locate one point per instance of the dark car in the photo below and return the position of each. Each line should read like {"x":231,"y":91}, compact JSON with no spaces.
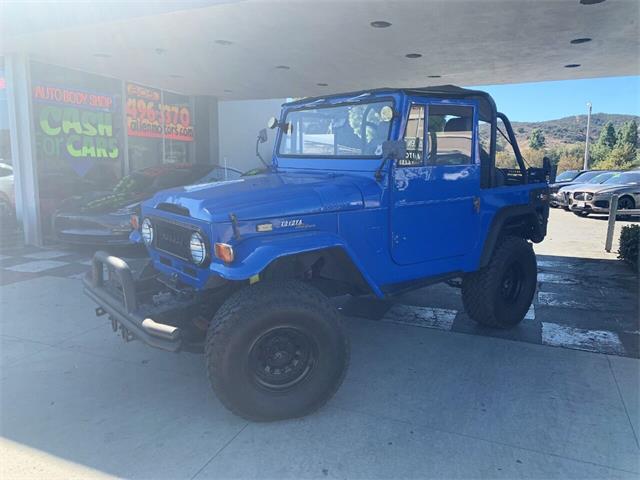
{"x":105,"y":218}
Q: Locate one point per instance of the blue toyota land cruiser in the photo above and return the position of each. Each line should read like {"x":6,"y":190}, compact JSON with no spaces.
{"x":367,"y":193}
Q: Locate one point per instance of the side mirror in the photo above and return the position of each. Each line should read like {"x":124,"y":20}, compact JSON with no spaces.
{"x":262,"y":136}
{"x":272,"y":123}
{"x":394,"y":149}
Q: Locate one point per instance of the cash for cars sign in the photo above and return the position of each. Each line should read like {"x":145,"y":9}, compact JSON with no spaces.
{"x":75,"y":124}
{"x":149,"y":117}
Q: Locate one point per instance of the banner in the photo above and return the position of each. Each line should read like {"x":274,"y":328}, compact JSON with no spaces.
{"x":146,"y":114}
{"x":74,"y":124}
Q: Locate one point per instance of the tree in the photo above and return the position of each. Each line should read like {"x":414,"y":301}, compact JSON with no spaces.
{"x":628,"y":134}
{"x":608,"y":138}
{"x":622,"y":157}
{"x":536,"y":140}
{"x":569,"y":162}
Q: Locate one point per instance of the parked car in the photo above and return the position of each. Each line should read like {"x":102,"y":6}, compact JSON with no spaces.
{"x":565,"y":178}
{"x":356,"y":201}
{"x":596,"y":198}
{"x":105,"y":218}
{"x":7,"y":197}
{"x":593,"y":177}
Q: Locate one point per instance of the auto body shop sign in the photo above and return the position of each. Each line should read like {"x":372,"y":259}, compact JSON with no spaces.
{"x":75,"y":124}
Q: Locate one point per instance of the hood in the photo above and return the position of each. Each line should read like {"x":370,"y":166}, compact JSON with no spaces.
{"x":577,"y":186}
{"x":268,"y":195}
{"x":100,"y":202}
{"x":602,"y":188}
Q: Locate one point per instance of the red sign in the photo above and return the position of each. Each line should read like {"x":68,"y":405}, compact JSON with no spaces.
{"x":148,"y":117}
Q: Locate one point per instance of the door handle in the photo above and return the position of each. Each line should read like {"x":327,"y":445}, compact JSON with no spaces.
{"x":476,"y":204}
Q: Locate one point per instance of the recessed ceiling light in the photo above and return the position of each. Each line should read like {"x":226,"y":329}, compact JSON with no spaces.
{"x":413,"y":55}
{"x":577,"y":41}
{"x":380,"y":24}
{"x":175,"y":75}
{"x":224,"y":43}
{"x":590,"y":2}
{"x":434,"y":76}
{"x":322,"y":84}
{"x":572,"y":65}
{"x":283,"y":67}
{"x":102,"y":55}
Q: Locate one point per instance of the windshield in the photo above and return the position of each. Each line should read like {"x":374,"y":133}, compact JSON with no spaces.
{"x":586,"y":177}
{"x":354,"y":130}
{"x":624,"y":178}
{"x":567,"y":176}
{"x":601,"y":177}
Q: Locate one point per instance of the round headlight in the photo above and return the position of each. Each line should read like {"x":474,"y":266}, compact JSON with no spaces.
{"x":198,"y":248}
{"x":146,"y":230}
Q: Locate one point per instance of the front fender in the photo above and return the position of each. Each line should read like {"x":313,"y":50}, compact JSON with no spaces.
{"x":254,"y":254}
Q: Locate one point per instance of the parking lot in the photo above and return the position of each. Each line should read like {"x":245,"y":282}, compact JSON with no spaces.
{"x":428,"y":395}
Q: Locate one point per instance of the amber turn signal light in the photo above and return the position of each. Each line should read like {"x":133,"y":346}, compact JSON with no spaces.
{"x":135,"y":222}
{"x":224,"y":252}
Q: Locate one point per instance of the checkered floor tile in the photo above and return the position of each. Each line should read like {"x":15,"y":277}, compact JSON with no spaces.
{"x":24,"y":263}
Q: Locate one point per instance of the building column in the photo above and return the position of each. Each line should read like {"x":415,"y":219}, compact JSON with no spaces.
{"x":23,"y":151}
{"x":206,"y":129}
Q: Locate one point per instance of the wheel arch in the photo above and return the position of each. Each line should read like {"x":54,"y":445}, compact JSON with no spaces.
{"x":517,"y":220}
{"x":294,"y":257}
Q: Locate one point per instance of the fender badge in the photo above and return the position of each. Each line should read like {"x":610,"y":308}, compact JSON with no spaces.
{"x":292,"y":223}
{"x":264,"y":227}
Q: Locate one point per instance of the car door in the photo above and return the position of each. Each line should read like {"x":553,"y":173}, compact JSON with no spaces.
{"x":436,"y":187}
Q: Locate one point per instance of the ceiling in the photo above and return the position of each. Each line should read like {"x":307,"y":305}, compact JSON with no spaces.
{"x":239,"y":49}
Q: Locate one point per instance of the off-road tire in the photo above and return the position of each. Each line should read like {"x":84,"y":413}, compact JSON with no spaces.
{"x":483,"y":292}
{"x":250,"y":316}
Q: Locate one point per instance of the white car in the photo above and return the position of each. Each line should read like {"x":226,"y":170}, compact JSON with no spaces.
{"x":7,"y":193}
{"x":595,"y":198}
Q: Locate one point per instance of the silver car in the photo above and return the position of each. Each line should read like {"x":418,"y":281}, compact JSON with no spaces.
{"x":595,"y":198}
{"x":593,"y":177}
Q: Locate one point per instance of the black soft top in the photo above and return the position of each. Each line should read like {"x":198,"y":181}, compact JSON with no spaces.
{"x":487,"y":107}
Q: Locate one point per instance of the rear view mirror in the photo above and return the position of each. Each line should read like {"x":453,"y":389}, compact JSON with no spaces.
{"x":262,"y":136}
{"x":272,"y":123}
{"x":394,"y":149}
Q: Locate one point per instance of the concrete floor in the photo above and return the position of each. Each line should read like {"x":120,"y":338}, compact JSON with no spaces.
{"x":75,"y":401}
{"x":416,"y":403}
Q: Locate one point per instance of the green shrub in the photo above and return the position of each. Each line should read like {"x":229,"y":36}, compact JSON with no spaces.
{"x":629,"y":244}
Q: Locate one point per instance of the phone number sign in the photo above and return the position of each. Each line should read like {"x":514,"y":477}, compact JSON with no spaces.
{"x":149,"y":117}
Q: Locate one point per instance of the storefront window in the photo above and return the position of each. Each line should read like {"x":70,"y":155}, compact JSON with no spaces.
{"x":159,"y":127}
{"x":8,"y":223}
{"x":78,"y":134}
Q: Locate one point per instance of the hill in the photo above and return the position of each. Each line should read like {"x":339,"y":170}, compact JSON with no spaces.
{"x":569,"y":130}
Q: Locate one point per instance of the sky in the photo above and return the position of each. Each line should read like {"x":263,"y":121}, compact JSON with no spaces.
{"x":533,"y":102}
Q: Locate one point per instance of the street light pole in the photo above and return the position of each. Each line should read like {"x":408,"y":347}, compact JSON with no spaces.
{"x":586,"y":143}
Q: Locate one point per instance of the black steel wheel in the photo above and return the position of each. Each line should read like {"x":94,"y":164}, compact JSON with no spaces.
{"x":276,"y":351}
{"x":282,"y":357}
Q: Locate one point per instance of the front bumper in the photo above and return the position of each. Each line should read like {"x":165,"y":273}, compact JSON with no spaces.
{"x":559,"y":199}
{"x":591,"y":206}
{"x":92,"y":230}
{"x":132,"y":303}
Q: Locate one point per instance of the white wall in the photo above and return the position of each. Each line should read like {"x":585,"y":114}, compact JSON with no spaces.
{"x":239,"y":123}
